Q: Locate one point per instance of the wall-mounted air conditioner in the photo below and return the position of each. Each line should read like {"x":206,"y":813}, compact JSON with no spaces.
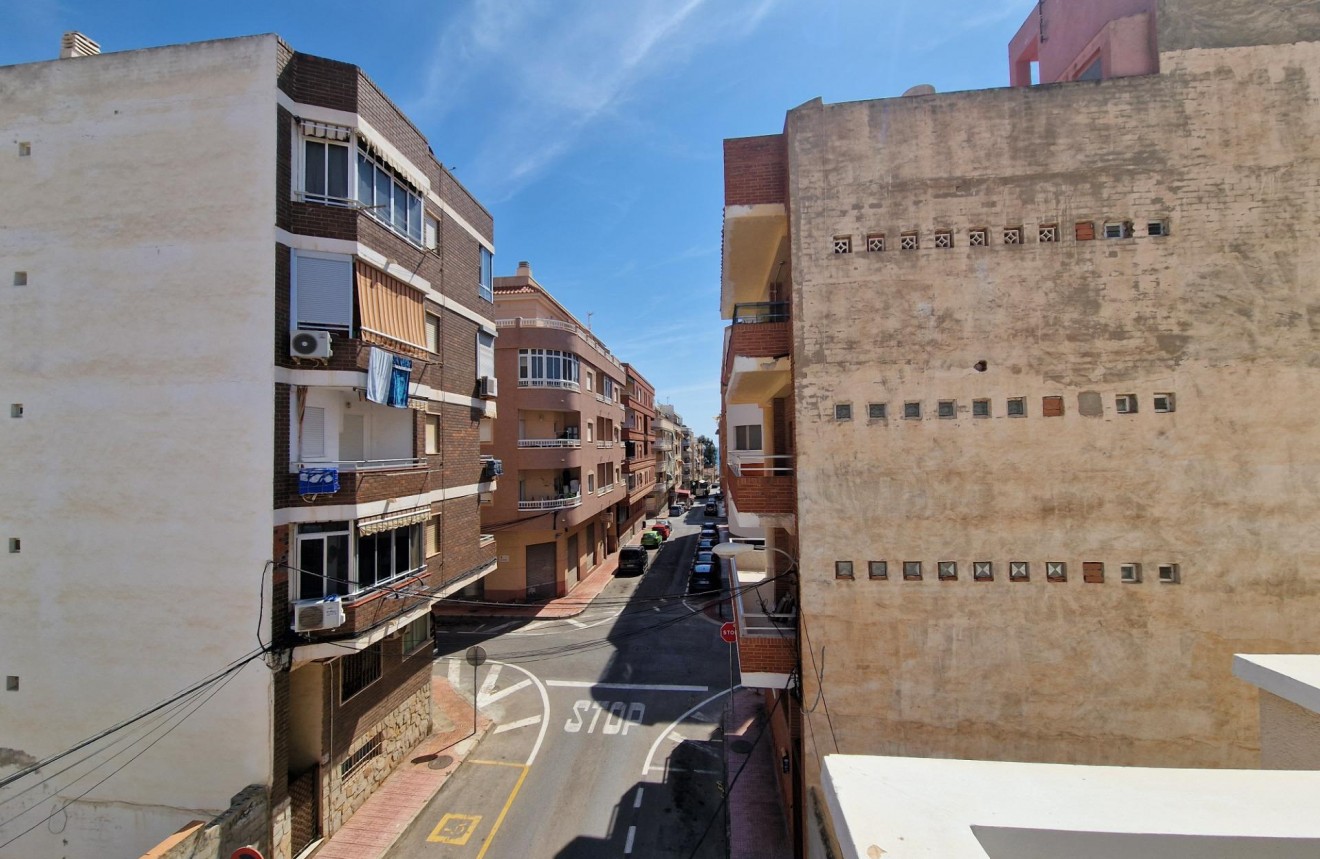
{"x":317,"y":614}
{"x":488,"y":387}
{"x":310,"y":344}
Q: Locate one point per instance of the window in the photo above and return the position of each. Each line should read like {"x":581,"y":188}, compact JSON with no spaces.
{"x":977,"y":238}
{"x":358,"y":671}
{"x":433,"y":333}
{"x":843,"y":411}
{"x":1051,"y":407}
{"x":433,"y":536}
{"x":20,"y":278}
{"x":1019,"y":571}
{"x":16,"y":410}
{"x":875,"y":243}
{"x":430,"y":233}
{"x":909,"y":241}
{"x":385,"y":196}
{"x":1126,"y":404}
{"x":843,"y":569}
{"x":747,"y":437}
{"x":980,"y":408}
{"x":1169,"y":574}
{"x":875,"y":411}
{"x":325,"y":172}
{"x":947,"y":570}
{"x":1056,"y":571}
{"x":486,"y":431}
{"x":591,"y":431}
{"x":484,"y":288}
{"x":354,"y":762}
{"x":1017,"y":407}
{"x":943,"y":239}
{"x":591,"y":383}
{"x":911,"y":570}
{"x":1093,"y":572}
{"x":432,"y":434}
{"x":947,"y":408}
{"x":1118,"y":230}
{"x":323,"y":292}
{"x":878,"y":569}
{"x":547,"y":368}
{"x":843,"y":244}
{"x":24,"y":149}
{"x":1047,"y":233}
{"x":15,"y":545}
{"x":912,"y":410}
{"x":1084,"y":231}
{"x":387,"y":555}
{"x":323,"y":560}
{"x":1012,"y":235}
{"x":983,"y":571}
{"x":1157,"y":228}
{"x":591,"y":481}
{"x":486,"y":356}
{"x":417,"y":634}
{"x":1164,"y":402}
{"x":1130,"y":573}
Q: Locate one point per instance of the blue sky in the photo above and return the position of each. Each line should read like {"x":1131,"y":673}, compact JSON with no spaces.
{"x":593,"y":130}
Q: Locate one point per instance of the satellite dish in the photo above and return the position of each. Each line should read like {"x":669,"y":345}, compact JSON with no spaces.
{"x":920,"y":89}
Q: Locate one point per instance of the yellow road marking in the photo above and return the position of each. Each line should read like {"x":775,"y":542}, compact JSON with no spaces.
{"x":498,"y":764}
{"x":455,"y":829}
{"x":507,"y":805}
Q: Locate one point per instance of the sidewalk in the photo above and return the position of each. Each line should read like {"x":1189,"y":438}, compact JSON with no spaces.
{"x":570,"y":605}
{"x":374,"y":828}
{"x":757,"y":829}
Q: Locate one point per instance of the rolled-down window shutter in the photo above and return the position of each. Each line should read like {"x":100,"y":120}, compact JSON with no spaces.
{"x":323,"y":294}
{"x":485,"y":354}
{"x":313,"y":433}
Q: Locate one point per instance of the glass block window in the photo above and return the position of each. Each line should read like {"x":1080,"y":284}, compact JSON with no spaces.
{"x":978,"y":238}
{"x":1056,"y":571}
{"x":843,"y":569}
{"x":878,"y":569}
{"x":943,"y":239}
{"x":947,"y":570}
{"x":875,"y":243}
{"x":1169,"y":574}
{"x":843,"y":244}
{"x":1017,"y":407}
{"x":909,"y":241}
{"x":843,"y":411}
{"x":1047,"y":233}
{"x":947,"y":408}
{"x":912,"y":570}
{"x":912,"y":410}
{"x":983,"y":571}
{"x":980,"y":408}
{"x":875,"y":411}
{"x":1019,"y":571}
{"x":1164,"y":402}
{"x":1130,"y":573}
{"x":1012,"y":235}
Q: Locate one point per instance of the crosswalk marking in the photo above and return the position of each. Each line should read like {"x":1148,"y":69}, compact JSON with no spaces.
{"x":495,"y":696}
{"x":521,"y":723}
{"x":488,"y":686}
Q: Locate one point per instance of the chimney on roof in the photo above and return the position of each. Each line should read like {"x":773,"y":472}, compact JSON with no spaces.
{"x":75,"y":44}
{"x":524,"y":269}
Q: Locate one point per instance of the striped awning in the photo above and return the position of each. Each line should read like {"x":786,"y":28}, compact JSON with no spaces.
{"x":326,"y":131}
{"x":394,"y":160}
{"x":393,"y":519}
{"x":392,"y":314}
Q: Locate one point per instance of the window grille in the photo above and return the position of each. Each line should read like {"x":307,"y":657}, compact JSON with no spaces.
{"x":977,"y":238}
{"x":843,"y":244}
{"x":909,"y":242}
{"x":875,"y":243}
{"x":1047,"y":233}
{"x":1012,"y":235}
{"x":943,"y":239}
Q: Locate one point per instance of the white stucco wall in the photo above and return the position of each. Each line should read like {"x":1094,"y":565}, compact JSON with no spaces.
{"x":139,"y":477}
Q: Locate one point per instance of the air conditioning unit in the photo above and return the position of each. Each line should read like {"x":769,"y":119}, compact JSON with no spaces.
{"x":488,"y":387}
{"x":317,"y":614}
{"x":310,"y":344}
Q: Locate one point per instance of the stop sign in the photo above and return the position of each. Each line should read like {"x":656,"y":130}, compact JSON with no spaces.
{"x":729,"y":632}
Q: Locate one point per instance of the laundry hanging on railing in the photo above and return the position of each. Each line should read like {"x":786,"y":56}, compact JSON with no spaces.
{"x":388,"y":376}
{"x":400,"y":375}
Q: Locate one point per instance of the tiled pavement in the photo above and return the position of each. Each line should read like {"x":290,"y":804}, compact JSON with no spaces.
{"x":756,"y":815}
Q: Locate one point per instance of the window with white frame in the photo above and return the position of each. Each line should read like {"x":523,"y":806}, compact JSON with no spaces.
{"x":1164,"y":402}
{"x":331,"y":173}
{"x":484,"y":288}
{"x":747,"y":437}
{"x":325,"y":171}
{"x":333,"y":559}
{"x":1126,"y":404}
{"x":1169,"y":574}
{"x":417,"y":634}
{"x":548,"y":368}
{"x":1130,"y":573}
{"x":430,"y":233}
{"x":323,"y":292}
{"x":388,"y":198}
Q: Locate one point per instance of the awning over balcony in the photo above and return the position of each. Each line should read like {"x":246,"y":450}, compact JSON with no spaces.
{"x":393,"y":519}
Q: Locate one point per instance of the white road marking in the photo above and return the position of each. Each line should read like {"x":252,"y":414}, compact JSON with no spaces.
{"x":632,"y":833}
{"x":639,"y":687}
{"x":637,"y":803}
{"x":521,"y":723}
{"x":545,"y":699}
{"x":676,"y":737}
{"x":488,"y":685}
{"x":646,"y":767}
{"x":579,"y":624}
{"x":493,"y":697}
{"x":455,"y":669}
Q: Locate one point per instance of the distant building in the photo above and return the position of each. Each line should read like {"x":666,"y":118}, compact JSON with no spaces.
{"x":1020,"y":383}
{"x":639,"y":465}
{"x":667,"y":427}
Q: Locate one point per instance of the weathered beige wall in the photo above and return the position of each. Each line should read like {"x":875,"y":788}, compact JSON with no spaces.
{"x":1223,"y":313}
{"x":1289,"y":735}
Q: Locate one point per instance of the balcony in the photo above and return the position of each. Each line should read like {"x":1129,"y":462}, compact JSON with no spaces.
{"x":662,"y":444}
{"x":767,"y":626}
{"x":582,"y":334}
{"x":400,"y":464}
{"x":760,"y":312}
{"x":761,"y":484}
{"x":549,"y":442}
{"x":558,"y":384}
{"x":551,"y":503}
{"x":757,"y":350}
{"x":604,"y":445}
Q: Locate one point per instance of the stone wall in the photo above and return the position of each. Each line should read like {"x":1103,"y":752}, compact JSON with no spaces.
{"x":243,"y":824}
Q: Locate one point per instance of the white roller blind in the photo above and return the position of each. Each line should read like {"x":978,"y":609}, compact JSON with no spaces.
{"x":323,"y":292}
{"x":485,"y":354}
{"x":313,"y":433}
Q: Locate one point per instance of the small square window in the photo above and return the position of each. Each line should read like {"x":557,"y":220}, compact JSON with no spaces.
{"x":843,"y":411}
{"x":1051,"y":407}
{"x":977,"y":238}
{"x":843,"y":244}
{"x":1084,"y":231}
{"x":911,"y":570}
{"x":15,"y":545}
{"x":983,"y":571}
{"x":1169,"y":574}
{"x":948,"y":408}
{"x":909,"y":241}
{"x":1019,"y":571}
{"x":943,"y":239}
{"x":1157,"y":228}
{"x":1130,"y":573}
{"x":1118,"y":230}
{"x":875,"y":243}
{"x":1012,"y":235}
{"x":980,"y":408}
{"x":20,"y":278}
{"x":947,"y":570}
{"x":1017,"y":407}
{"x":1093,"y":572}
{"x":1126,"y":404}
{"x":1047,"y":233}
{"x":1164,"y":402}
{"x":878,"y":569}
{"x":16,"y":410}
{"x":912,"y":410}
{"x":24,"y":150}
{"x":11,"y":683}
{"x":875,"y":411}
{"x":843,"y":569}
{"x":1056,"y":571}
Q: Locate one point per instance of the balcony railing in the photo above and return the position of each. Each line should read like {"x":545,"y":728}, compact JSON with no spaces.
{"x":551,"y":503}
{"x":399,"y":464}
{"x":604,"y":445}
{"x":562,"y":384}
{"x":760,"y":311}
{"x":487,"y":540}
{"x":760,"y":465}
{"x":586,"y":336}
{"x":549,"y":442}
{"x":662,"y":444}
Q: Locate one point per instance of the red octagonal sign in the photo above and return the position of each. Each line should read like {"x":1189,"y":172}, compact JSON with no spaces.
{"x":729,"y":632}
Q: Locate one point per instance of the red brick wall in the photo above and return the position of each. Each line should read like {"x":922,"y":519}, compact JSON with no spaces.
{"x":776,"y":494}
{"x":755,"y":170}
{"x":775,"y":655}
{"x":757,"y":340}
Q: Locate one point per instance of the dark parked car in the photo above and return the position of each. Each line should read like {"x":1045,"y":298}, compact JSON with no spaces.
{"x":675,"y":509}
{"x":709,"y":532}
{"x":703,"y":579}
{"x":705,"y":544}
{"x":633,"y":560}
{"x":703,"y":557}
{"x":712,"y":509}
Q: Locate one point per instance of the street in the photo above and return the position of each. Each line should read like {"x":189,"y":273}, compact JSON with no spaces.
{"x":607,"y":737}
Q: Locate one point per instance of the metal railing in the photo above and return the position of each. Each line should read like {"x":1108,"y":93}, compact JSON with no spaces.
{"x":551,"y":503}
{"x":549,"y":442}
{"x":561,"y":384}
{"x":586,"y":336}
{"x":603,"y":445}
{"x":757,"y":614}
{"x":760,"y":311}
{"x":486,"y":539}
{"x":399,"y":464}
{"x":760,"y":464}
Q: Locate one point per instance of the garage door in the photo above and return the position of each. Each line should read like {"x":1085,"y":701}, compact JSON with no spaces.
{"x":540,"y":571}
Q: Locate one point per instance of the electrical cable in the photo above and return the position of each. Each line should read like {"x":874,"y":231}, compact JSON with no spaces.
{"x":820,"y":682}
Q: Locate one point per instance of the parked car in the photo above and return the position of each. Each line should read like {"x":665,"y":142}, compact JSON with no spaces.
{"x":662,"y":525}
{"x":651,"y":540}
{"x":712,"y":509}
{"x":706,"y":544}
{"x":675,"y":509}
{"x":704,"y":578}
{"x":704,"y":557}
{"x":710,"y":532}
{"x":633,"y":560}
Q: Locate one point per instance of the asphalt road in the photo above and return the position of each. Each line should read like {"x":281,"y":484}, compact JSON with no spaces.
{"x":608,"y":739}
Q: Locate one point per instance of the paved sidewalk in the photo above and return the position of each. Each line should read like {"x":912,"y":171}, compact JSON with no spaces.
{"x":570,"y":605}
{"x":374,"y":828}
{"x":757,"y":829}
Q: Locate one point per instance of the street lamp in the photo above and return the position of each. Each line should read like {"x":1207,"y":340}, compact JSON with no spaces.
{"x":733,"y":550}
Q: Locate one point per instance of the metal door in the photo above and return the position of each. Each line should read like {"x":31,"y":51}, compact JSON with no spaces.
{"x":540,"y":572}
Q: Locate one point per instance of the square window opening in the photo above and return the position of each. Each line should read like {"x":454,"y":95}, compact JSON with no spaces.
{"x":843,"y":411}
{"x":1051,"y":407}
{"x":943,"y":239}
{"x":359,"y":671}
{"x":1169,"y":574}
{"x":980,"y":408}
{"x":843,"y":569}
{"x":11,"y":683}
{"x":875,"y":411}
{"x":947,"y":570}
{"x":1093,"y":572}
{"x":1126,"y":404}
{"x":24,"y":149}
{"x":983,"y":571}
{"x":1012,"y":235}
{"x":1164,"y":402}
{"x":909,"y":241}
{"x":1130,"y":573}
{"x":1084,"y":231}
{"x":1157,"y":228}
{"x":1118,"y":230}
{"x":912,"y":410}
{"x":843,"y":244}
{"x":15,"y":545}
{"x":877,"y":569}
{"x":1056,"y":571}
{"x":875,"y":243}
{"x":20,"y":278}
{"x":16,"y":410}
{"x":1047,"y":233}
{"x":1017,"y":407}
{"x":1019,"y":571}
{"x":912,"y":571}
{"x":947,"y":408}
{"x":978,"y":238}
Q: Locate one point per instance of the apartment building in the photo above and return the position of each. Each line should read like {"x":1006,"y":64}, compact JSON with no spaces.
{"x":639,"y":466}
{"x":1018,"y":380}
{"x":668,"y":473}
{"x":248,"y":314}
{"x":563,"y":498}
